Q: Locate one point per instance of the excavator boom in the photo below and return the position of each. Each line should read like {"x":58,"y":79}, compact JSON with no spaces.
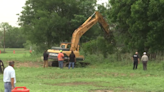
{"x":86,"y":26}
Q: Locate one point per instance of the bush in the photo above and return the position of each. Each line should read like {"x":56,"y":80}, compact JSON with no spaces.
{"x":98,"y":46}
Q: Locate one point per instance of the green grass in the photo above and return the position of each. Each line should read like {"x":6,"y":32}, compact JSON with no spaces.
{"x":102,"y":74}
{"x":116,"y":79}
{"x":20,"y":55}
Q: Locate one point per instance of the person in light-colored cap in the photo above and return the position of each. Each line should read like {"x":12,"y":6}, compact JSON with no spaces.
{"x":144,"y":60}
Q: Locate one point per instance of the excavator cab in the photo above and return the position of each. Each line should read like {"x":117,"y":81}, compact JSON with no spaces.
{"x":67,"y":46}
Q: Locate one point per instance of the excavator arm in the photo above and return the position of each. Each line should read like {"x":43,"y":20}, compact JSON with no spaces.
{"x":86,"y":26}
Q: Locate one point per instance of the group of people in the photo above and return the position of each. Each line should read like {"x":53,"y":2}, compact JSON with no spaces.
{"x":9,"y":77}
{"x":136,"y":59}
{"x":72,"y":59}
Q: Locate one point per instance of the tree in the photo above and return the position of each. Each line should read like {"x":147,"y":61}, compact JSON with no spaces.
{"x":52,"y":21}
{"x":4,"y":26}
{"x":14,"y":37}
{"x":139,"y":23}
{"x":156,"y":21}
{"x":1,"y":38}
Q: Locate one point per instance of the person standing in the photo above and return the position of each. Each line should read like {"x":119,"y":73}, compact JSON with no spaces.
{"x":72,"y":60}
{"x":144,"y":60}
{"x":9,"y":77}
{"x":135,"y":60}
{"x":61,"y":59}
{"x":1,"y":65}
{"x":45,"y":58}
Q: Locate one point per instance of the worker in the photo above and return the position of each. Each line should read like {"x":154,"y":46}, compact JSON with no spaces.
{"x":135,"y":60}
{"x":9,"y":77}
{"x":60,"y":59}
{"x":1,"y":67}
{"x":144,"y":60}
{"x":72,"y":60}
{"x":45,"y":58}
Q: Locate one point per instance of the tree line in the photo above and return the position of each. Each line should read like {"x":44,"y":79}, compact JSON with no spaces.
{"x":11,"y":37}
{"x":139,"y":23}
{"x":135,"y":24}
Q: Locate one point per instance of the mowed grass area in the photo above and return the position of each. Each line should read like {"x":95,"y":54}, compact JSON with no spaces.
{"x":20,"y":55}
{"x":118,"y":79}
{"x":109,"y":77}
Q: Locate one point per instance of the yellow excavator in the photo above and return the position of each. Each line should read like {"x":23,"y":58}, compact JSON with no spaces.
{"x":67,"y":47}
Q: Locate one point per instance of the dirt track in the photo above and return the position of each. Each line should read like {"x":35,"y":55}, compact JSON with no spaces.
{"x":28,"y":64}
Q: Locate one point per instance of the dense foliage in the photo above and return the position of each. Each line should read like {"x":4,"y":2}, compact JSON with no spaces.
{"x":99,"y":46}
{"x":139,"y":23}
{"x":14,"y":37}
{"x":53,"y":21}
{"x":135,"y":24}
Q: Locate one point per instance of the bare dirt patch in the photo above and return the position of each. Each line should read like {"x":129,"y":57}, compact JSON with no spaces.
{"x":106,"y":90}
{"x":122,"y":74}
{"x":101,"y":91}
{"x":28,"y":64}
{"x":79,"y":83}
{"x":96,"y":84}
{"x":132,"y":74}
{"x":75,"y":83}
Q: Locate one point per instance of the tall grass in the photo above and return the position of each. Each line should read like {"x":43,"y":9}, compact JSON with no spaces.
{"x":121,"y":60}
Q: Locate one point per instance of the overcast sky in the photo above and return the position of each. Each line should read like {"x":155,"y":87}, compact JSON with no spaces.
{"x":9,"y":9}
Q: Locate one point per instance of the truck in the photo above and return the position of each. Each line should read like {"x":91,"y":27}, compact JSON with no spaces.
{"x":74,"y":46}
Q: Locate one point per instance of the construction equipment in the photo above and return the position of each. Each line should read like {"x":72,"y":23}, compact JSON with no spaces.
{"x":74,"y":45}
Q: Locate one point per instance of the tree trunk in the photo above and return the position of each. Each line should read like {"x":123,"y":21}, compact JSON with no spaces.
{"x":4,"y":40}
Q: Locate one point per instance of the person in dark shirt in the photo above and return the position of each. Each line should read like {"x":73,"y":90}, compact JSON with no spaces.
{"x":45,"y":58}
{"x":135,"y":60}
{"x":72,"y":60}
{"x":1,"y":65}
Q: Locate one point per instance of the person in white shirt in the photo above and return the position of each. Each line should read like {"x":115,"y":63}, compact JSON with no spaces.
{"x":9,"y":77}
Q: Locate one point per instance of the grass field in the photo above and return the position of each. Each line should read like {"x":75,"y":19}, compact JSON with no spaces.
{"x":20,"y":55}
{"x":110,"y":77}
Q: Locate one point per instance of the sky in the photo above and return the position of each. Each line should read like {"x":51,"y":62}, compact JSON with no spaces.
{"x":9,"y":9}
